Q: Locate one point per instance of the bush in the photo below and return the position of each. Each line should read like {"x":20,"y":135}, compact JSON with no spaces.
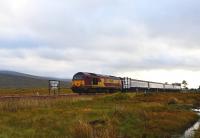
{"x":172,"y":100}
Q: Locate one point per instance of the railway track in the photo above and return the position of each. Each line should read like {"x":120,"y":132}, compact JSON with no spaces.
{"x":46,"y":96}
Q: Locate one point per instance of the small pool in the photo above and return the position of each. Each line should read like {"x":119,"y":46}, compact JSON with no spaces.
{"x":190,"y":132}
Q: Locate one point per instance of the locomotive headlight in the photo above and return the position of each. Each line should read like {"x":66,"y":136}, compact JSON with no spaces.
{"x":78,"y":84}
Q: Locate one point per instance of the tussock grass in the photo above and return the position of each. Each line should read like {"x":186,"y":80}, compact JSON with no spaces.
{"x":197,"y":134}
{"x":172,"y":100}
{"x":123,"y":115}
{"x":82,"y":130}
{"x":91,"y":130}
{"x":117,"y":97}
{"x":15,"y":105}
{"x":30,"y":91}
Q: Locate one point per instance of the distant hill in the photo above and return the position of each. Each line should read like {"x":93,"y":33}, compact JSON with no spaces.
{"x":11,"y":79}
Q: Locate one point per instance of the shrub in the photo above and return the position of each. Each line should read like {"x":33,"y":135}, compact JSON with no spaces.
{"x":172,"y":100}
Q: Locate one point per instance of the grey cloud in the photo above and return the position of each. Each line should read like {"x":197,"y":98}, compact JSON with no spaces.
{"x":100,"y":36}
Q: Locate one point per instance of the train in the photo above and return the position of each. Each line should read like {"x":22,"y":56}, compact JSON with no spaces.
{"x":85,"y":82}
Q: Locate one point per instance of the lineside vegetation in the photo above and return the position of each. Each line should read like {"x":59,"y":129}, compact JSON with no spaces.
{"x":116,"y":115}
{"x":30,"y":91}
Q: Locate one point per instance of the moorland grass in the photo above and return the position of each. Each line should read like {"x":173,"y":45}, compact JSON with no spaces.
{"x":117,"y":115}
{"x":30,"y":91}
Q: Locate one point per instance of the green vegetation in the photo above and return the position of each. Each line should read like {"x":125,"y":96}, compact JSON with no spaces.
{"x":111,"y":116}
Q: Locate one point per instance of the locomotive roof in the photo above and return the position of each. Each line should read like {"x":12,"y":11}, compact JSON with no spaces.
{"x":97,"y":75}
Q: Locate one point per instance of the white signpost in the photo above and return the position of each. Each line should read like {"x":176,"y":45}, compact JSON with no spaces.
{"x":54,"y":86}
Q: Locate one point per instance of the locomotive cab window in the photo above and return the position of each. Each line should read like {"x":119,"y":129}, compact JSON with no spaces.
{"x":78,"y":77}
{"x":95,"y":81}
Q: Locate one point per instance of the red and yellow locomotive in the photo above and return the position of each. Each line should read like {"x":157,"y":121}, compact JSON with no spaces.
{"x":90,"y":82}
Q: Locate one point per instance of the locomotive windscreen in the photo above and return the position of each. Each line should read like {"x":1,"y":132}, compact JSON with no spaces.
{"x":78,"y":76}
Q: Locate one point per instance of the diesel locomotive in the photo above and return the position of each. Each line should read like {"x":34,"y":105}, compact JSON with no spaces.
{"x":84,"y":82}
{"x":91,"y":82}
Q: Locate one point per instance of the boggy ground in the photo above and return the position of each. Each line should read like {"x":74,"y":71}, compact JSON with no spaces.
{"x":120,"y":115}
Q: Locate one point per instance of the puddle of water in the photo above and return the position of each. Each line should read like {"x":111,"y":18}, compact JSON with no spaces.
{"x":189,"y":133}
{"x":196,"y":110}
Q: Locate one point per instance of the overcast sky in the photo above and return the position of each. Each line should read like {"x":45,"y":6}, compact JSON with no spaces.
{"x":143,"y":39}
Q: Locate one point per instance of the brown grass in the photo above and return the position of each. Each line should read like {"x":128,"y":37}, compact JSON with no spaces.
{"x":112,"y":116}
{"x":94,"y":130}
{"x":30,"y":91}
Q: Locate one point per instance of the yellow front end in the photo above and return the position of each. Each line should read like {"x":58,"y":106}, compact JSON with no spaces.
{"x":78,"y":83}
